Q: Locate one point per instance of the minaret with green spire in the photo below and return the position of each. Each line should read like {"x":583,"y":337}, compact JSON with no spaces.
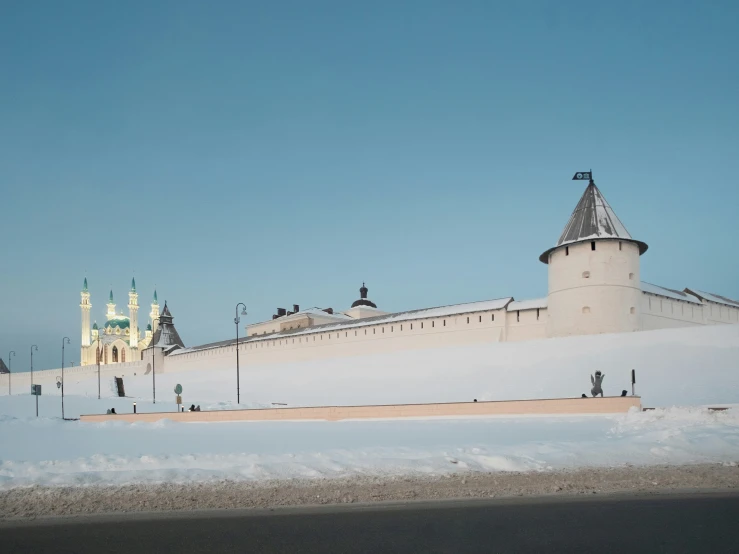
{"x":154,"y":315}
{"x":133,"y":311}
{"x":85,"y":307}
{"x":111,"y":306}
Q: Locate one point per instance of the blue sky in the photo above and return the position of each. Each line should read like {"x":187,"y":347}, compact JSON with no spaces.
{"x":283,"y":152}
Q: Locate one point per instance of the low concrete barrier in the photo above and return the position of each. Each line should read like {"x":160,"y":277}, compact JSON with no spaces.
{"x":607,"y":405}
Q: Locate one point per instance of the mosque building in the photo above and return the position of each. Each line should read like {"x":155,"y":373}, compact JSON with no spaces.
{"x":120,"y":339}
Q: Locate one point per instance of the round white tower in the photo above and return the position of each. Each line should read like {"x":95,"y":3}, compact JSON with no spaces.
{"x":594,"y":283}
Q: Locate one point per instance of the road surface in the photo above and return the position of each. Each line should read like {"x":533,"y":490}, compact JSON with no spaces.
{"x":659,"y":523}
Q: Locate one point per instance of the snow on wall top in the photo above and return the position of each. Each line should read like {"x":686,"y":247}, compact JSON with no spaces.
{"x":668,"y":293}
{"x":441,"y":311}
{"x":717,"y":298}
{"x":527,"y":304}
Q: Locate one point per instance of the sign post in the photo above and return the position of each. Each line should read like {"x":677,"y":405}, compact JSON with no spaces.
{"x":36,"y":391}
{"x":178,"y":392}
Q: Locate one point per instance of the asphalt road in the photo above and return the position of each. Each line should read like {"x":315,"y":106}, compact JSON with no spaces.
{"x":663,"y":523}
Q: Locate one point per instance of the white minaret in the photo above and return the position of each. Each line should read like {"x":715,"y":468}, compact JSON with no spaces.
{"x":85,"y":307}
{"x":154,"y":315}
{"x":594,"y":282}
{"x":133,"y":311}
{"x":110,"y":314}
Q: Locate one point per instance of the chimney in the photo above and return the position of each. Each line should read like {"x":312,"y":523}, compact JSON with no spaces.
{"x":281,"y":312}
{"x":275,"y":316}
{"x":329,"y":310}
{"x":296,"y":308}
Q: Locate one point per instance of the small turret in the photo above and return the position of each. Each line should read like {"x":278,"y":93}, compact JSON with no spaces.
{"x":363,"y":301}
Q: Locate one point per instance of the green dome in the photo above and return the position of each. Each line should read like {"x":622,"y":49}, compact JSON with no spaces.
{"x":118,"y":321}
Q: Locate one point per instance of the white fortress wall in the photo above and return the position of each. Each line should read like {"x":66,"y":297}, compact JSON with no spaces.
{"x":358,"y":340}
{"x":21,"y":381}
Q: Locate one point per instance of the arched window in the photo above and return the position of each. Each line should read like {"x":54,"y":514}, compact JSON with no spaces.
{"x":105,"y":354}
{"x":115,"y":354}
{"x":123,"y":354}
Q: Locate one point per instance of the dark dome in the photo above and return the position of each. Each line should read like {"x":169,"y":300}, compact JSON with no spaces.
{"x":363,"y":299}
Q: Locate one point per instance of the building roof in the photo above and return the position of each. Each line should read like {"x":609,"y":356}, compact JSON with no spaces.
{"x":166,"y":335}
{"x":669,"y":293}
{"x":593,"y":219}
{"x":710,"y":297}
{"x":535,"y":303}
{"x":399,"y":317}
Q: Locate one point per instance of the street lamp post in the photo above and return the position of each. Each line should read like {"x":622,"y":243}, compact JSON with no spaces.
{"x":65,"y":340}
{"x":153,"y":363}
{"x":11,"y":353}
{"x":99,"y":355}
{"x":32,"y":347}
{"x":237,"y":320}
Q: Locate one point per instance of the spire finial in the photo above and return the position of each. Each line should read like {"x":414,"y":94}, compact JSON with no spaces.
{"x":133,"y":284}
{"x":84,"y":285}
{"x":111,"y":296}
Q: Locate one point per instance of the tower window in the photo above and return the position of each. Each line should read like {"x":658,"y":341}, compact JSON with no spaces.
{"x":401,"y":327}
{"x":422,"y":325}
{"x":468,"y":320}
{"x":632,"y":310}
{"x":518,"y":315}
{"x":444,"y":322}
{"x":567,"y":250}
{"x":592,"y":245}
{"x":631,"y":276}
{"x":586,"y":275}
{"x":492,"y":316}
{"x":620,"y":245}
{"x":411,"y":327}
{"x":537,"y":314}
{"x":392,"y":328}
{"x":432,"y":324}
{"x":586,"y":309}
{"x":480,"y":319}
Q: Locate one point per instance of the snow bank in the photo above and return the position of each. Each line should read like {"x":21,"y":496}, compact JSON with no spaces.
{"x":52,"y":452}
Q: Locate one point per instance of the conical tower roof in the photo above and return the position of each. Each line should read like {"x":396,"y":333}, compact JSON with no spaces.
{"x":84,"y":285}
{"x":593,"y":219}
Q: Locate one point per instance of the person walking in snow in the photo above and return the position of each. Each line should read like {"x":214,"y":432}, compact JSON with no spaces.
{"x":596,"y":382}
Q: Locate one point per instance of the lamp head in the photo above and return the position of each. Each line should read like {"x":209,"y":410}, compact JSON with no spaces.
{"x":243,"y":311}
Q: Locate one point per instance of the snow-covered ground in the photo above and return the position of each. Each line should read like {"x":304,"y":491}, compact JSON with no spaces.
{"x":690,"y":366}
{"x":685,"y":367}
{"x":52,"y":452}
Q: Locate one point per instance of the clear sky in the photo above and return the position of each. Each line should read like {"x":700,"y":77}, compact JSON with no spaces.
{"x":283,"y":152}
